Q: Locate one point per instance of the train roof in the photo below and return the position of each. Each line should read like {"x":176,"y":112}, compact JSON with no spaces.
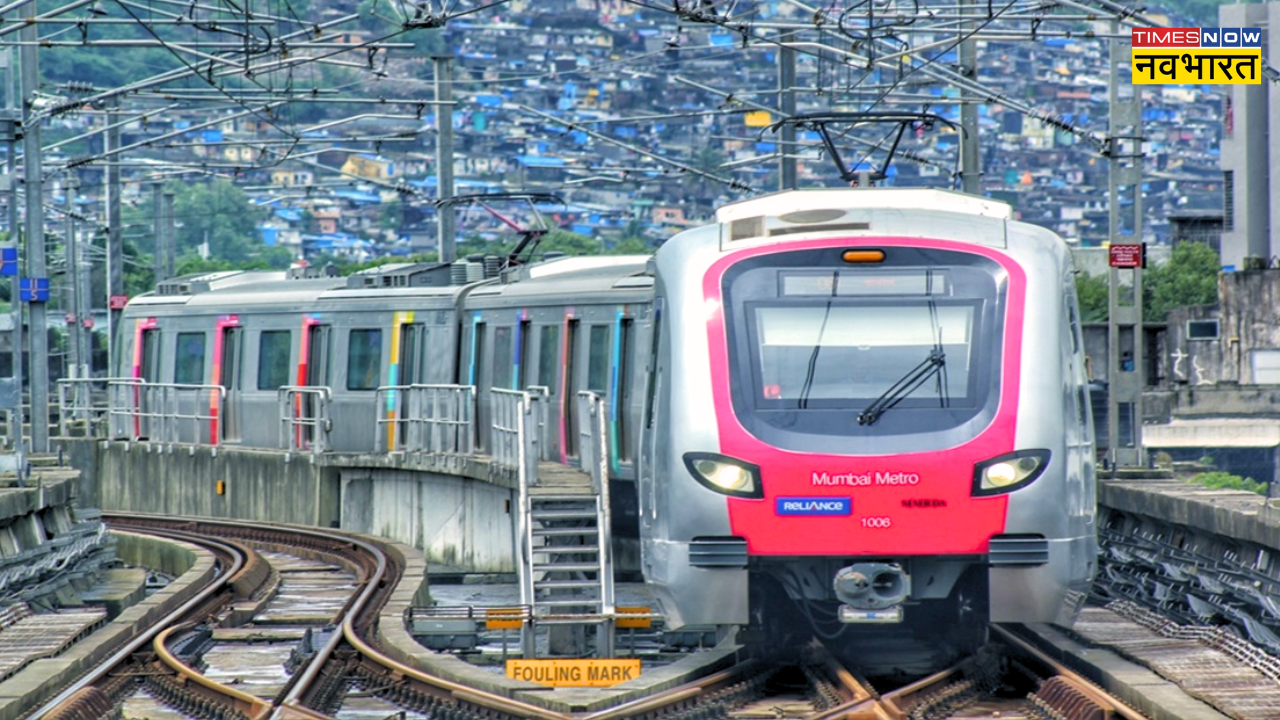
{"x":589,"y":274}
{"x":821,"y":205}
{"x":560,"y":275}
{"x":905,"y":212}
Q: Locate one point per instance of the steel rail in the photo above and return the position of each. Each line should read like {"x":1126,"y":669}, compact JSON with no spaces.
{"x":221,"y":581}
{"x":362,"y":604}
{"x":253,"y":707}
{"x":1085,"y":685}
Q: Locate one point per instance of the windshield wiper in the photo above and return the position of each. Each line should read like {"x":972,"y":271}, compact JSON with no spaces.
{"x":914,"y":378}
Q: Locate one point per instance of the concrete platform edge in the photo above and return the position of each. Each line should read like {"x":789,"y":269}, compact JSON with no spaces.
{"x":38,"y":681}
{"x":1135,"y":684}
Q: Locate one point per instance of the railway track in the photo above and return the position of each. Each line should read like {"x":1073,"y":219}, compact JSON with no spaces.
{"x":348,"y":658}
{"x":1009,"y":678}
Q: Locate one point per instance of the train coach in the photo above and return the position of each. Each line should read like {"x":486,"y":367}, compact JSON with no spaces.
{"x":867,"y":406}
{"x":220,"y":348}
{"x":844,"y":407}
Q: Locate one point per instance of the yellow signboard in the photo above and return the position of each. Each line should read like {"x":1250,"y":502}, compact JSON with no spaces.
{"x":1197,"y":66}
{"x":623,"y":621}
{"x":574,"y":673}
{"x":503,"y":618}
{"x":758,"y":118}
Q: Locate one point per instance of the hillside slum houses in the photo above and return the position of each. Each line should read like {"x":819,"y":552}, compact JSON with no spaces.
{"x":643,"y":126}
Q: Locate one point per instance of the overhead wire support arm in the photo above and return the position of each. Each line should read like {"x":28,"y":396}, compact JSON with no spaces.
{"x":820,"y":122}
{"x":529,"y":237}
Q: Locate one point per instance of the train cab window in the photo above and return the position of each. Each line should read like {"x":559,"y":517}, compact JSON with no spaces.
{"x":819,"y":349}
{"x":502,"y":358}
{"x":188,"y":361}
{"x":598,"y":360}
{"x":548,"y":354}
{"x":273,"y":358}
{"x":364,"y":359}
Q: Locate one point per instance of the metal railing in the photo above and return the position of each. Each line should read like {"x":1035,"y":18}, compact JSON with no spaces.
{"x":510,"y":438}
{"x":594,"y":456}
{"x":426,"y":419}
{"x":539,"y":419}
{"x":593,"y":440}
{"x":304,"y":417}
{"x":83,"y":401}
{"x":164,"y":412}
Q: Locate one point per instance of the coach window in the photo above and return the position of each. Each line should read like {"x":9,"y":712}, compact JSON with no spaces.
{"x":188,"y":365}
{"x":598,"y":360}
{"x":548,"y":352}
{"x":364,"y":359}
{"x":273,"y":358}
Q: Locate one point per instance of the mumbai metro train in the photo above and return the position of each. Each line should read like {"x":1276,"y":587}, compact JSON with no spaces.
{"x":862,"y":406}
{"x":867,"y":406}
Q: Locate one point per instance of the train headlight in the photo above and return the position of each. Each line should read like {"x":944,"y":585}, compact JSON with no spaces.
{"x":725,"y":475}
{"x":1009,"y":472}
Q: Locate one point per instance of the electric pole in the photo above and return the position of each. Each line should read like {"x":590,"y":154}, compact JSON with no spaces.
{"x":1125,"y":338}
{"x":115,"y":247}
{"x":787,"y":105}
{"x":446,"y":222}
{"x":970,"y":158}
{"x":37,"y":278}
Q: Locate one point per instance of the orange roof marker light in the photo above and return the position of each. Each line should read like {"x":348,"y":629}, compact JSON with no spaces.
{"x":863,"y":256}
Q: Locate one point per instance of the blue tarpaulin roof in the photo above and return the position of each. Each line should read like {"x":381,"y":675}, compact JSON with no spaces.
{"x":539,"y":161}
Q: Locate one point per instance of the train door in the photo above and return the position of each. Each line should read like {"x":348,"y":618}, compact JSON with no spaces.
{"x":147,"y":369}
{"x":598,"y":368}
{"x":229,"y":377}
{"x":548,"y":377}
{"x":365,"y":371}
{"x":190,"y":399}
{"x":410,"y":371}
{"x":501,"y":371}
{"x":624,"y":368}
{"x":316,"y":357}
{"x":477,"y":377}
{"x":523,"y":355}
{"x":572,"y":384}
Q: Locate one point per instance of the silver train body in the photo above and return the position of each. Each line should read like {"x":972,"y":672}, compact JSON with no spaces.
{"x":676,"y":346}
{"x":776,"y":458}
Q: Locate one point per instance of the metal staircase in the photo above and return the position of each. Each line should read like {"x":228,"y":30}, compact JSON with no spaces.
{"x":566,"y":572}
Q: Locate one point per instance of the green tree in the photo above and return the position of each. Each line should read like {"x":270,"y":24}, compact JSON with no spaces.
{"x":1190,"y":277}
{"x":219,"y":213}
{"x":1091,"y":290}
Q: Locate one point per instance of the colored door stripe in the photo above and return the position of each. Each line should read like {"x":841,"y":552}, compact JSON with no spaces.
{"x":401,"y":319}
{"x":215,"y":401}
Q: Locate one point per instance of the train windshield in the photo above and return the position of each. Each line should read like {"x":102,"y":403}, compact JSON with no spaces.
{"x":820,"y":348}
{"x":816,"y":354}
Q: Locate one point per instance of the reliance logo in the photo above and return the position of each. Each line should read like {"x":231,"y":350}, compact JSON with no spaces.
{"x":814,"y":506}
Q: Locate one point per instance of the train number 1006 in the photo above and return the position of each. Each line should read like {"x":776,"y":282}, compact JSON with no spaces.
{"x":878,"y":523}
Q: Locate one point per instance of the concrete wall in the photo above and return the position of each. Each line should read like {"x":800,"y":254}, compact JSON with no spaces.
{"x":182,"y":480}
{"x":462,"y":518}
{"x":1247,"y":152}
{"x":454,"y":520}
